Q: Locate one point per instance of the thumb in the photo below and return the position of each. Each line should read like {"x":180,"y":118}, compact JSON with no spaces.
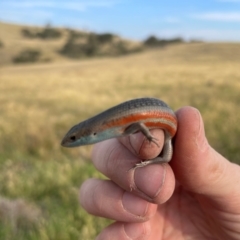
{"x":197,"y":166}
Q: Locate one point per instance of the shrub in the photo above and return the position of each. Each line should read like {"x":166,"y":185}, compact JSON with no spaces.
{"x":78,"y":50}
{"x":28,"y":33}
{"x":27,"y":55}
{"x":47,"y":33}
{"x":122,"y":48}
{"x":76,"y":34}
{"x":72,"y":50}
{"x":153,"y":41}
{"x":104,"y":38}
{"x":95,"y":45}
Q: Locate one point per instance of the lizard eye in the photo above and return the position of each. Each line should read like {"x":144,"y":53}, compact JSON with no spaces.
{"x":73,"y":138}
{"x":94,"y":133}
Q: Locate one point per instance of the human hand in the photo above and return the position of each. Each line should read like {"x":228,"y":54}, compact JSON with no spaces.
{"x":196,"y":196}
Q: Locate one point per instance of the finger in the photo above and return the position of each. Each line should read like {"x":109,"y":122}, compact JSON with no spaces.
{"x":106,"y":199}
{"x":126,"y":231}
{"x":197,"y":166}
{"x":154,"y":228}
{"x":154,"y":182}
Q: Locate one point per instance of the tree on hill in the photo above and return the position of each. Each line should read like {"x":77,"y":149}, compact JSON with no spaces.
{"x":153,"y":41}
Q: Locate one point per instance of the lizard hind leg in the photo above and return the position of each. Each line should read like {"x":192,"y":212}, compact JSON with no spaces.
{"x":141,"y":127}
{"x":164,"y":157}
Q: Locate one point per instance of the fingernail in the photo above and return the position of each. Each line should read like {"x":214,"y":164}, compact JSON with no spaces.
{"x":134,"y":204}
{"x":150,"y":179}
{"x":136,"y":230}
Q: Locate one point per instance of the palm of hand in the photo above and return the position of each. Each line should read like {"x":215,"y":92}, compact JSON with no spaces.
{"x":184,"y":216}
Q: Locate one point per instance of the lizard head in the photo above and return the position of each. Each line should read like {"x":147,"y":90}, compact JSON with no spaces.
{"x":79,"y":135}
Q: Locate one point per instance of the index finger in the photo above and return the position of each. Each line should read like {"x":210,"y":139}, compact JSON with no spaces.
{"x":115,"y":158}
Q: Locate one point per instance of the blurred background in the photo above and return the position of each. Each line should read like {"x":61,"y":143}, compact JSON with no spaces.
{"x":64,"y":61}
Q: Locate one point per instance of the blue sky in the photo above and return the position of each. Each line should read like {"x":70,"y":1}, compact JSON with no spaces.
{"x":211,"y":20}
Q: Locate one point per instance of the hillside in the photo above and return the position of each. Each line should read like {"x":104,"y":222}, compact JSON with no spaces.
{"x":69,"y":44}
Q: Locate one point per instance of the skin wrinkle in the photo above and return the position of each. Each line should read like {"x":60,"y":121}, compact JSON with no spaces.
{"x":131,"y":181}
{"x":98,"y":202}
{"x":180,"y":220}
{"x":108,"y":167}
{"x":97,"y":199}
{"x":145,"y":231}
{"x":211,"y":219}
{"x":164,"y":221}
{"x":198,"y":226}
{"x":229,"y":230}
{"x":217,"y":211}
{"x":139,"y":217}
{"x":111,"y":168}
{"x":124,"y":232}
{"x":163,"y":180}
{"x":203,"y":145}
{"x":218,"y":172}
{"x":180,"y":211}
{"x":222,"y":234}
{"x":142,"y":193}
{"x":181,"y":217}
{"x":166,"y":218}
{"x":226,"y":212}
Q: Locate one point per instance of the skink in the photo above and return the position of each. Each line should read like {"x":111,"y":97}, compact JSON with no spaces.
{"x":129,"y":117}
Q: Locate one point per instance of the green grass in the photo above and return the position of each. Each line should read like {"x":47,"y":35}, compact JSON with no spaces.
{"x":40,"y":180}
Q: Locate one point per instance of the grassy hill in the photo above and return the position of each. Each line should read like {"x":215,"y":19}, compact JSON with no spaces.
{"x":39,"y":102}
{"x":17,"y":40}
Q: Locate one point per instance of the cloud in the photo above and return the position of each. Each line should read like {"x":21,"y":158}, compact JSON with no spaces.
{"x":37,"y":12}
{"x":70,"y":5}
{"x":218,"y":16}
{"x":83,"y":6}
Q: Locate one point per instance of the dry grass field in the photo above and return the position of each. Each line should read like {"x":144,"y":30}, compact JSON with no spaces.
{"x":39,"y":180}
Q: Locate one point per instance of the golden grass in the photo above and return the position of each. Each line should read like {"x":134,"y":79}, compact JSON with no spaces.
{"x":39,"y":103}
